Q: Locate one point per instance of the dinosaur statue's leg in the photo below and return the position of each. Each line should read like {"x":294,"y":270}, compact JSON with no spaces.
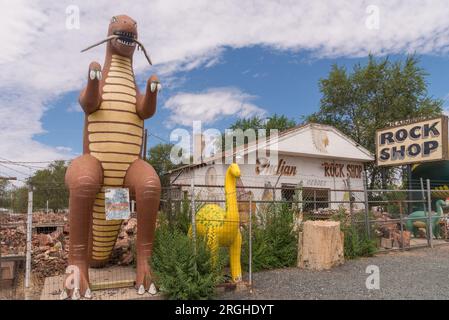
{"x":83,"y":178}
{"x":234,"y":256}
{"x":213,"y":244}
{"x":144,"y":185}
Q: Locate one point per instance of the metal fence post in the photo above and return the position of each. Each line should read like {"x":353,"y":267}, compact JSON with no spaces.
{"x":29,"y":236}
{"x":250,"y":244}
{"x":365,"y":191}
{"x":192,"y":201}
{"x":429,"y":215}
{"x":423,"y":193}
{"x":351,"y":209}
{"x":402,"y":225}
{"x":169,"y":207}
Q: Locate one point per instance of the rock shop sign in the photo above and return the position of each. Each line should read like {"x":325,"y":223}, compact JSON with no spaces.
{"x":422,"y":141}
{"x":339,"y":170}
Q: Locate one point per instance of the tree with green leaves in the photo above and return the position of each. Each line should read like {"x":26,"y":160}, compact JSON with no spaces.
{"x":159,"y":158}
{"x":279,"y":122}
{"x":371,"y":96}
{"x":48,"y":184}
{"x":275,"y":122}
{"x":19,"y":199}
{"x":5,"y":198}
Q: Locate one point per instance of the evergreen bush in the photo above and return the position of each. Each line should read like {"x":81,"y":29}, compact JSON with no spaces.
{"x":181,"y":272}
{"x":275,"y":244}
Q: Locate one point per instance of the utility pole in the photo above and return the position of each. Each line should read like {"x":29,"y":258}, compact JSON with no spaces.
{"x":4,"y":179}
{"x":145,"y":142}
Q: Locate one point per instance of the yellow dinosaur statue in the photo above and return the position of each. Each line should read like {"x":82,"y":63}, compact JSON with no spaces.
{"x":222,"y":228}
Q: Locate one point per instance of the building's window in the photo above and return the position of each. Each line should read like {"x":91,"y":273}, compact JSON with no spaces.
{"x":288,"y":191}
{"x":314,"y":199}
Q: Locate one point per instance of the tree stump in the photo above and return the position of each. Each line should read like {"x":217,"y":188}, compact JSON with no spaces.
{"x":320,"y":245}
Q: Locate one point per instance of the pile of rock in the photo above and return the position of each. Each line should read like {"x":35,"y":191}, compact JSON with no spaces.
{"x":50,"y":252}
{"x":321,"y":214}
{"x":13,"y":239}
{"x":43,"y":217}
{"x":389,"y":231}
{"x":124,"y":250}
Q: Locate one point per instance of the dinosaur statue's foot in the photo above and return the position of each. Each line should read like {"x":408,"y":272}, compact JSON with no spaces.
{"x":151,"y":290}
{"x":75,"y":294}
{"x":144,"y":279}
{"x":76,"y":285}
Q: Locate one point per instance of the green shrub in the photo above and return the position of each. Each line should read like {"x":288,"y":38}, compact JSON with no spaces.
{"x":180,"y":272}
{"x":356,"y":243}
{"x":275,"y":244}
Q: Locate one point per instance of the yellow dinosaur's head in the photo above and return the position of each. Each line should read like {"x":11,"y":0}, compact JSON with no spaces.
{"x":234,"y":170}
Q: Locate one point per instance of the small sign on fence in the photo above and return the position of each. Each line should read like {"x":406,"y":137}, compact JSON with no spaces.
{"x":117,"y":204}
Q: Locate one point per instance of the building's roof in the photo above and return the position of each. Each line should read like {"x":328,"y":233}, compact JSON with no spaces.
{"x":322,"y":141}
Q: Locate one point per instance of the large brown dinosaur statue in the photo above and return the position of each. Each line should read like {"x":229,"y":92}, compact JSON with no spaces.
{"x":115,"y":113}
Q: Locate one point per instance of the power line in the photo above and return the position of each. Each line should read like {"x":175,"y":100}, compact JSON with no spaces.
{"x":157,"y":137}
{"x":35,"y":162}
{"x":25,"y":174}
{"x":22,"y":165}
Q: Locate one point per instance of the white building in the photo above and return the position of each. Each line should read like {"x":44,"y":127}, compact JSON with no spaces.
{"x":320,"y":158}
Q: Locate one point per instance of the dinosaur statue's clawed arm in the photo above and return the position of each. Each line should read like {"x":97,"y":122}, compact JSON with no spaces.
{"x":146,"y":104}
{"x":90,"y":97}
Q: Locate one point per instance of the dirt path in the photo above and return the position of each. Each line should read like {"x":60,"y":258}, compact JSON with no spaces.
{"x":417,"y":274}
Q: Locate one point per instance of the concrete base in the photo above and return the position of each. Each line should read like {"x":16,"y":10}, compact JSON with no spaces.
{"x":121,"y":277}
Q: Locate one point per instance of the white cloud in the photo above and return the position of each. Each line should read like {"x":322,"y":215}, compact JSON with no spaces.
{"x":210,"y":106}
{"x":40,"y":58}
{"x":64,"y":149}
{"x":74,"y":108}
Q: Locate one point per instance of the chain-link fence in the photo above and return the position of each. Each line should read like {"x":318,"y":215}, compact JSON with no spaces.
{"x":35,"y":248}
{"x":245,"y":228}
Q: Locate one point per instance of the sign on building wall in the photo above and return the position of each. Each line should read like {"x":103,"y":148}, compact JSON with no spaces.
{"x":420,"y":141}
{"x":341,"y":170}
{"x":265,"y":168}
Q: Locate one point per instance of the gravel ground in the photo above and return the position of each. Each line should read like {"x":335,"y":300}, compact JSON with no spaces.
{"x":416,"y":274}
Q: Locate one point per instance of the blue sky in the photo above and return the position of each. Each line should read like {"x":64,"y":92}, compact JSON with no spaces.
{"x":217,"y":60}
{"x":283,"y":83}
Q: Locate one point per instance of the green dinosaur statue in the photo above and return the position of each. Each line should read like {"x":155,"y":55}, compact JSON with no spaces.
{"x":413,"y":223}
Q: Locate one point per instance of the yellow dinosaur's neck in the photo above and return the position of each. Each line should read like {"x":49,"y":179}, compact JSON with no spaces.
{"x":232,"y":211}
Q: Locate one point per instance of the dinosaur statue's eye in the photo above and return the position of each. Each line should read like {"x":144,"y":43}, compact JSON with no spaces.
{"x":114,"y":20}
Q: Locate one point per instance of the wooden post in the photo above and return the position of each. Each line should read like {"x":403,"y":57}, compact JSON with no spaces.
{"x":321,"y":246}
{"x":145,"y":142}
